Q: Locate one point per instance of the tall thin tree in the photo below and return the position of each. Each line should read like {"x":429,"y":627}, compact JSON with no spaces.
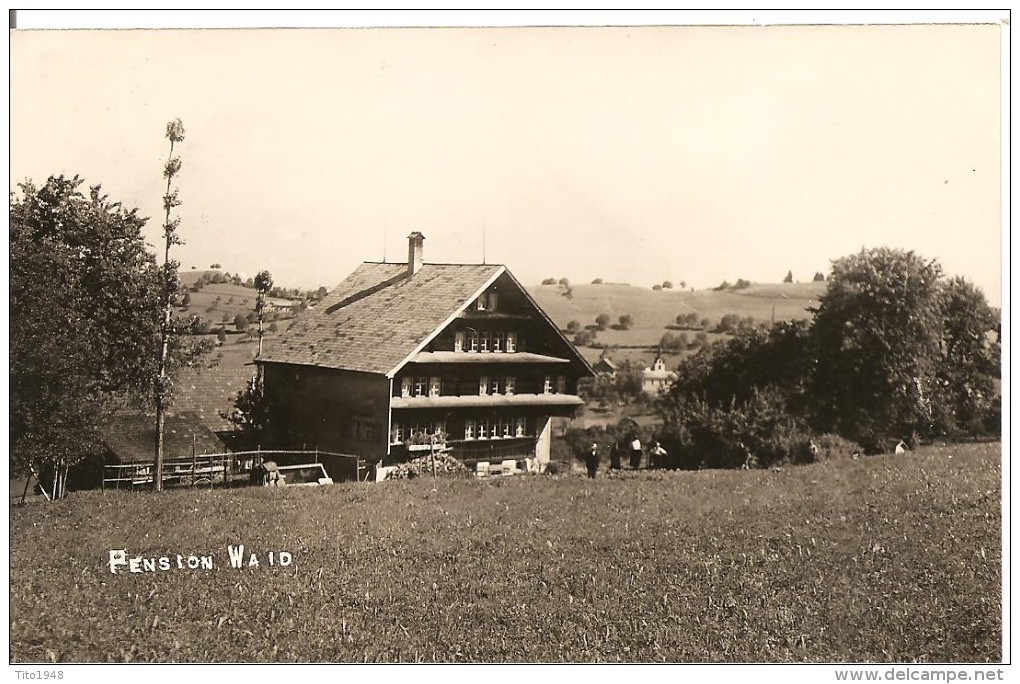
{"x":175,"y":134}
{"x":263,"y":284}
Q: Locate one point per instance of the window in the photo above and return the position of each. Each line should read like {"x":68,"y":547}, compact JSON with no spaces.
{"x":494,"y":386}
{"x":493,"y":298}
{"x":362,"y":430}
{"x":511,"y":342}
{"x":509,"y":384}
{"x":397,"y":434}
{"x":435,"y":386}
{"x":472,"y":341}
{"x":420,"y":387}
{"x":498,"y":341}
{"x":483,"y":429}
{"x":439,"y":427}
{"x":469,"y":429}
{"x":547,"y":385}
{"x":480,"y":303}
{"x":458,"y":341}
{"x":561,"y":384}
{"x":483,"y":385}
{"x":405,"y":387}
{"x":520,"y":428}
{"x":486,"y":341}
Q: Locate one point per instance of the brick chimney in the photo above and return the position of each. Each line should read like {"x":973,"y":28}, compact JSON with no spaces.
{"x":415,"y":242}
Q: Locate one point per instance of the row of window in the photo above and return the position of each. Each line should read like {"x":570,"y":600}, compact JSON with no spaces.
{"x":485,"y":341}
{"x":491,"y":428}
{"x":495,"y":428}
{"x":422,"y":386}
{"x":402,"y":431}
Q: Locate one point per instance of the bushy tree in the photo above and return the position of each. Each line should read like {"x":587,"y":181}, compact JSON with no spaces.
{"x":789,"y":277}
{"x":878,"y":336}
{"x":667,"y":285}
{"x":549,"y":281}
{"x":602,"y":320}
{"x":84,"y":321}
{"x":657,"y":287}
{"x":819,"y":277}
{"x":970,"y":361}
{"x":573,"y":326}
{"x":626,"y":321}
{"x":597,"y":281}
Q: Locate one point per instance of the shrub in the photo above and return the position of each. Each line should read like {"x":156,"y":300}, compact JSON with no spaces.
{"x":597,"y":281}
{"x":549,"y":281}
{"x":741,"y":284}
{"x":657,"y":287}
{"x":602,"y":320}
{"x":830,"y":446}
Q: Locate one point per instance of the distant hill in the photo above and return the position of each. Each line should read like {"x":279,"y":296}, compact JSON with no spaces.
{"x":654,"y":310}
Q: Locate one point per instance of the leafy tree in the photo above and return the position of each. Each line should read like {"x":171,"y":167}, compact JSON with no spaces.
{"x":724,"y":285}
{"x":573,"y":326}
{"x":186,"y":300}
{"x":878,"y":335}
{"x":215,"y":266}
{"x":819,"y":277}
{"x":741,"y":284}
{"x":564,"y":282}
{"x":221,"y":335}
{"x":273,"y":327}
{"x":626,"y":321}
{"x":657,"y":287}
{"x":583,"y":338}
{"x":683,"y":284}
{"x":84,"y":322}
{"x":789,"y":277}
{"x":597,"y":281}
{"x":549,"y":281}
{"x":667,"y":285}
{"x":602,"y":320}
{"x":728,"y":323}
{"x":970,"y":361}
{"x":241,"y":323}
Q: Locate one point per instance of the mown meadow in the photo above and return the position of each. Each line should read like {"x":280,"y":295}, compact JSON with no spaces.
{"x":879,"y":559}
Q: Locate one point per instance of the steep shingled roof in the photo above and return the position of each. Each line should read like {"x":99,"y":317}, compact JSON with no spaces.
{"x":132,"y":437}
{"x":379,"y":315}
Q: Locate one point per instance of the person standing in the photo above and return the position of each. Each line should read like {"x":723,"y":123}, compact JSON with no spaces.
{"x":614,"y":456}
{"x":591,"y":460}
{"x":635,"y":453}
{"x":657,"y":457}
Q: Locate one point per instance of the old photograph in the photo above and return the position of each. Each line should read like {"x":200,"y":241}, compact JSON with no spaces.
{"x":644,"y":342}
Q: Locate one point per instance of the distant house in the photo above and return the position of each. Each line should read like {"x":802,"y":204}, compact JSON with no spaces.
{"x":606,"y":367}
{"x":400,"y":353}
{"x":657,"y":379}
{"x":131,"y":438}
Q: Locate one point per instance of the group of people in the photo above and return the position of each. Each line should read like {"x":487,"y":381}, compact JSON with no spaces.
{"x":591,"y":457}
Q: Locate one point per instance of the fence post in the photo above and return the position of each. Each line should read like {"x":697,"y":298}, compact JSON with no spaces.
{"x":194,"y":459}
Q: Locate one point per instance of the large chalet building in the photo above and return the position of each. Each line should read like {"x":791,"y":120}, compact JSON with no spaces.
{"x":398,"y":354}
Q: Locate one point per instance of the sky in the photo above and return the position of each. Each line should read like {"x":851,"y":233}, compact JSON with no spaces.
{"x":633,"y":154}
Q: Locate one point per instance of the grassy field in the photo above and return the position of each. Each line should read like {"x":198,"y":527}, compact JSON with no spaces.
{"x":880,"y":559}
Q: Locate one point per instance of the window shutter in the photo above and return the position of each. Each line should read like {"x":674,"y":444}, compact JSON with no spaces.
{"x":483,"y":385}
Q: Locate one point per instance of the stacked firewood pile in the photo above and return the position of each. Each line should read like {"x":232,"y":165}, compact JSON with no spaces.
{"x":422,"y":466}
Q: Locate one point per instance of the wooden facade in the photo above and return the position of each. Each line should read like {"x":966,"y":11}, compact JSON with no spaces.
{"x":486,"y":380}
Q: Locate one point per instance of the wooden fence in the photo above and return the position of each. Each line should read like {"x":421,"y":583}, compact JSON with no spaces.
{"x":208,"y":469}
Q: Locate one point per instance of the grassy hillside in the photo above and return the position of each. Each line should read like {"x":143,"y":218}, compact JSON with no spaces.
{"x":653,"y":311}
{"x":882,"y":559}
